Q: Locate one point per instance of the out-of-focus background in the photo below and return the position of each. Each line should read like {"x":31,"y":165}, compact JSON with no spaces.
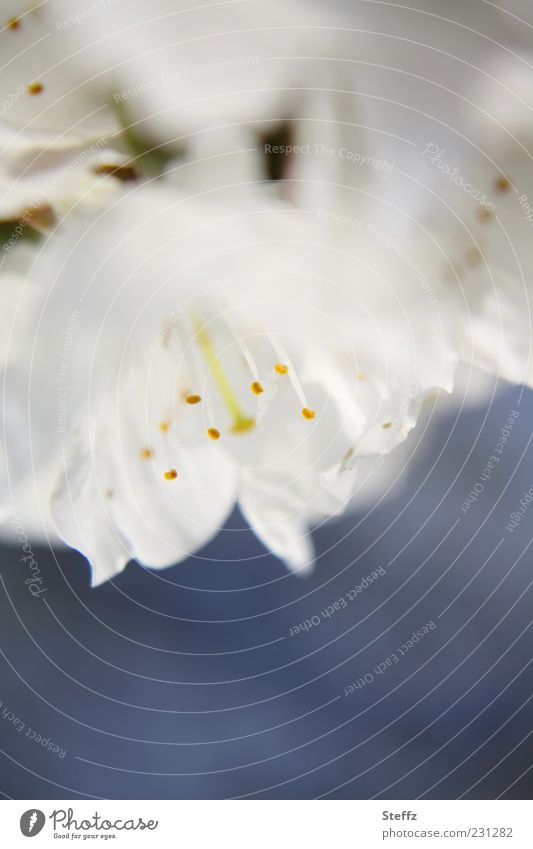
{"x":186,"y":683}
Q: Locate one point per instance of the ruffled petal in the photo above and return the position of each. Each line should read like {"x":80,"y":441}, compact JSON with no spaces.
{"x":83,"y":517}
{"x":137,"y":490}
{"x":283,"y":532}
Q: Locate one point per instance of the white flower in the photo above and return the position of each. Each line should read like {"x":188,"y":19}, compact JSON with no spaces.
{"x":218,"y":352}
{"x":79,"y":82}
{"x":222,"y":338}
{"x":54,"y":125}
{"x":176,"y":67}
{"x":166,"y":299}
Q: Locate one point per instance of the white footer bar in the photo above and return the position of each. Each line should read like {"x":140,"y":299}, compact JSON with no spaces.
{"x":268,"y":824}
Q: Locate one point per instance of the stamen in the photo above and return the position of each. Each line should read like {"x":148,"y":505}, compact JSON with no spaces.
{"x":35,"y":88}
{"x":387,"y":425}
{"x":243,"y":348}
{"x":241,"y":423}
{"x":171,"y":475}
{"x":484,"y":214}
{"x":502,"y":184}
{"x":164,"y":427}
{"x":281,"y":368}
{"x":146,"y":453}
{"x":213,"y":433}
{"x":296,"y":385}
{"x":474,"y":257}
{"x":13,"y":23}
{"x":124,"y":173}
{"x":193,"y":399}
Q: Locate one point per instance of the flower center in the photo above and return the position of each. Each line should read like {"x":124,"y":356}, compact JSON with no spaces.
{"x":241,"y":422}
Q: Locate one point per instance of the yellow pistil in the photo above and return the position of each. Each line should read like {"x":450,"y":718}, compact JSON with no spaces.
{"x":171,"y":475}
{"x":241,"y":423}
{"x":35,"y":88}
{"x":256,"y":388}
{"x":281,"y":368}
{"x":308,"y":414}
{"x":146,"y":454}
{"x":213,"y":433}
{"x":193,"y":399}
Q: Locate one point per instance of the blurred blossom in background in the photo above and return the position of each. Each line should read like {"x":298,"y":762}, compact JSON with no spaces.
{"x":266,"y":477}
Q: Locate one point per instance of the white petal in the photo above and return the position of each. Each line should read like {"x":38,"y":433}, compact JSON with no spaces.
{"x":37,"y":174}
{"x":186,"y":67}
{"x":499,"y":329}
{"x":83,"y":518}
{"x":42,"y":89}
{"x":54,"y":125}
{"x":114,"y":504}
{"x":281,"y":531}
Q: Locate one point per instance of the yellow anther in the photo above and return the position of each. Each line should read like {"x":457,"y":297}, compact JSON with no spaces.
{"x":473,"y":257}
{"x":146,"y":453}
{"x":281,"y":368}
{"x":387,"y":425}
{"x":13,"y":23}
{"x":213,"y":433}
{"x":164,"y":427}
{"x":193,"y":399}
{"x":485,"y":214}
{"x":256,"y":388}
{"x":361,"y":376}
{"x":35,"y":88}
{"x":171,"y":475}
{"x":502,"y":184}
{"x":308,"y":414}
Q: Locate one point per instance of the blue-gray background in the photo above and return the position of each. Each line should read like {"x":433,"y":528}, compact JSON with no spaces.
{"x":185,"y":683}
